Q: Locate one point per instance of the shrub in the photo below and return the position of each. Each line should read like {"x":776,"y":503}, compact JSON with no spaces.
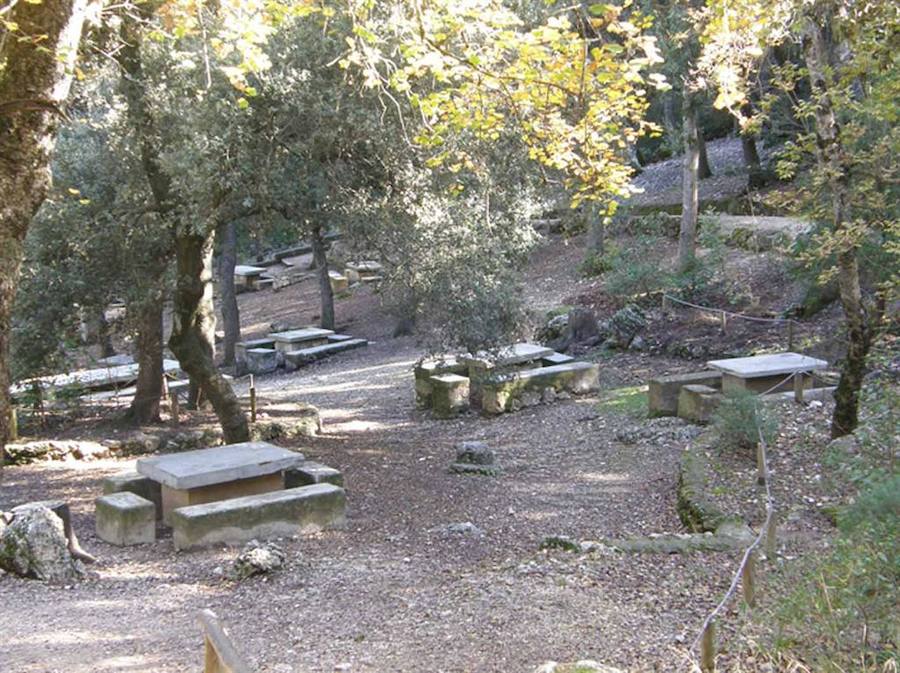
{"x":636,"y":269}
{"x":843,"y":614}
{"x":741,"y":419}
{"x":596,"y":263}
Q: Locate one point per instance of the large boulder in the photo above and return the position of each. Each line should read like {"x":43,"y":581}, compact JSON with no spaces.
{"x":33,"y":544}
{"x":582,"y":329}
{"x":625,"y":324}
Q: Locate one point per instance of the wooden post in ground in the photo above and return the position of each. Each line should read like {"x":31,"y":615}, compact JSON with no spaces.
{"x":748,"y":579}
{"x":174,"y":407}
{"x":252,"y":400}
{"x":724,"y":320}
{"x":761,"y":475}
{"x":708,"y":649}
{"x":771,"y":541}
{"x":790,"y":335}
{"x":13,"y":423}
{"x":219,"y":653}
{"x":798,"y":387}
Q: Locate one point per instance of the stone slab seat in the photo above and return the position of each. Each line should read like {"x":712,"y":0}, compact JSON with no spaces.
{"x":311,"y":472}
{"x":697,"y":403}
{"x":124,"y":518}
{"x":306,"y":355}
{"x":277,"y":514}
{"x":498,"y":392}
{"x":556,"y":359}
{"x":449,"y":364}
{"x":663,"y":391}
{"x":138,"y":484}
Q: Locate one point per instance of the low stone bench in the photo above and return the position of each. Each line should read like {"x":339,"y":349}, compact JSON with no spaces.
{"x":556,"y":359}
{"x":275,"y":514}
{"x":132,"y":482}
{"x":428,"y":368}
{"x":304,"y":356}
{"x":262,"y":360}
{"x":697,"y":403}
{"x":265,"y":283}
{"x":663,"y":391}
{"x":339,"y":283}
{"x":499,"y":392}
{"x":449,"y":395}
{"x":309,"y":473}
{"x":125,"y":519}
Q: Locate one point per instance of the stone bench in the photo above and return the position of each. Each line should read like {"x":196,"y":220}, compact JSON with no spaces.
{"x":428,"y":368}
{"x":697,"y":402}
{"x":132,"y":482}
{"x":303,"y":356}
{"x":499,"y":392}
{"x":556,"y":359}
{"x":663,"y":391}
{"x":309,"y":473}
{"x":125,"y":519}
{"x":261,"y":360}
{"x":449,"y":395}
{"x":294,"y":339}
{"x":339,"y":283}
{"x":276,"y":514}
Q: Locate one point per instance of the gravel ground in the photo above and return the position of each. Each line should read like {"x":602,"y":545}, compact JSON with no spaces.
{"x":394,"y":591}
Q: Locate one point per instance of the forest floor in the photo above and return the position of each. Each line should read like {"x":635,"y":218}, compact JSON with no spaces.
{"x":397,"y":590}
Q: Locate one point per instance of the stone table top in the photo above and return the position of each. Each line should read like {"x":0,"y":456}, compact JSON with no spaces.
{"x":510,"y":355}
{"x":218,"y":465}
{"x":246,"y":270}
{"x":297,"y":335}
{"x":767,"y":365}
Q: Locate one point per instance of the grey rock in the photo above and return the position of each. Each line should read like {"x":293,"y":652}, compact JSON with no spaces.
{"x":530,"y":398}
{"x":466,"y":528}
{"x":258,"y":559}
{"x":34,"y":545}
{"x":549,"y":395}
{"x":31,"y":452}
{"x":625,"y":324}
{"x":475,"y":453}
{"x":563,"y":542}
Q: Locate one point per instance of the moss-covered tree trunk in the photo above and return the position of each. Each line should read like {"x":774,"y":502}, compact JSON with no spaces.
{"x":34,"y":83}
{"x":231,"y":317}
{"x":193,"y":321}
{"x":317,"y":236}
{"x":832,"y":163}
{"x":149,"y":354}
{"x":690,"y":207}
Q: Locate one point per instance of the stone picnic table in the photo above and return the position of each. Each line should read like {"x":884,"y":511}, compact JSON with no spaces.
{"x":291,"y":340}
{"x":90,"y":379}
{"x":765,"y":373}
{"x":510,"y":356}
{"x":246,"y":276}
{"x":218,"y":473}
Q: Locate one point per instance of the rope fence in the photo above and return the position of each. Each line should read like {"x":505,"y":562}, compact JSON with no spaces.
{"x":724,"y":315}
{"x":744,"y":575}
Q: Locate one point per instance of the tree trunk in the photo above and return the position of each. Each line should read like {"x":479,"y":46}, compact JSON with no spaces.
{"x":231,"y":317}
{"x":321,"y":260}
{"x":34,"y":82}
{"x":755,"y":177}
{"x":703,"y":169}
{"x":149,"y":352}
{"x":193,"y":321}
{"x":104,"y":336}
{"x":690,"y":207}
{"x":831,"y":162}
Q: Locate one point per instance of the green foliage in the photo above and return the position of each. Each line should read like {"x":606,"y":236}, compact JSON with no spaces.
{"x":596,"y":263}
{"x":741,"y":420}
{"x":843,"y":616}
{"x":637,"y":268}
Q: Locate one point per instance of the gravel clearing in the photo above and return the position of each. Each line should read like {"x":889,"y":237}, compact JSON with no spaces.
{"x":397,"y":590}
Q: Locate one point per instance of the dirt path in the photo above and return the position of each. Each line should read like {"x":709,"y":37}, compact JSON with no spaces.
{"x":393,"y":592}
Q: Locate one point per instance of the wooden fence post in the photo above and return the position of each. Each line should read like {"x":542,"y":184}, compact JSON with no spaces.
{"x":790,"y":335}
{"x":798,"y":387}
{"x":770,"y":539}
{"x":708,"y":648}
{"x":13,"y":423}
{"x":252,"y":400}
{"x":724,"y":321}
{"x":174,"y":407}
{"x":747,"y":580}
{"x":761,"y":475}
